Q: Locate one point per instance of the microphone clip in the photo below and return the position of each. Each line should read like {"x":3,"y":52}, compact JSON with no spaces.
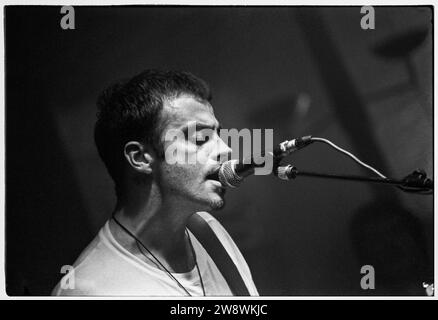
{"x":417,"y":181}
{"x":288,"y":146}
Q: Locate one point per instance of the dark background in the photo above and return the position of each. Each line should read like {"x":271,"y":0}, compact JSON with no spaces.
{"x":298,"y":70}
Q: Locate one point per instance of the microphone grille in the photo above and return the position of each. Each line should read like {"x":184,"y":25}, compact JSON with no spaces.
{"x":228,"y":176}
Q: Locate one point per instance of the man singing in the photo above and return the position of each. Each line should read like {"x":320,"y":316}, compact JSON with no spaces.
{"x":148,"y":248}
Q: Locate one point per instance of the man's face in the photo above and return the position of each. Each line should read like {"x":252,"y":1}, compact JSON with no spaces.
{"x":199,"y":148}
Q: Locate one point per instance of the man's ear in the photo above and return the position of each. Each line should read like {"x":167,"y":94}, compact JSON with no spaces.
{"x":138,"y":157}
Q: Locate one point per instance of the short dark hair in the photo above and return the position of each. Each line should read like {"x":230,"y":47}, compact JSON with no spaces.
{"x":130,"y":110}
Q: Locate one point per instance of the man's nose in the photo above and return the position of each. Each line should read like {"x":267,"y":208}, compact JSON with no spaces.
{"x":223,"y":151}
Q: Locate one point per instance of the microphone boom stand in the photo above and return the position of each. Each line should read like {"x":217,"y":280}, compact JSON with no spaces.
{"x":416,"y":182}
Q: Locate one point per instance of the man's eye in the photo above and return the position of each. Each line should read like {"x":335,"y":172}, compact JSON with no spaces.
{"x":201,"y":139}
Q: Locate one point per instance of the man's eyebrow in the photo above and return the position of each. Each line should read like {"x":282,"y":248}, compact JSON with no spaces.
{"x":199,"y":126}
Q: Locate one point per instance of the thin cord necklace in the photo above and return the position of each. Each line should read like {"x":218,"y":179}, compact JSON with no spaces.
{"x":138,"y":242}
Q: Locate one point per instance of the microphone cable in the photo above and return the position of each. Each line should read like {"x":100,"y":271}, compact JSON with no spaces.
{"x":349,"y":154}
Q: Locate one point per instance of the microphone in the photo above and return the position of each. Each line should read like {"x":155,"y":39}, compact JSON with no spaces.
{"x":231,"y":173}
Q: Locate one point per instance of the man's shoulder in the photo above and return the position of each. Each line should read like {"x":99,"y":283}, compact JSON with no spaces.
{"x":96,"y":267}
{"x":75,"y":287}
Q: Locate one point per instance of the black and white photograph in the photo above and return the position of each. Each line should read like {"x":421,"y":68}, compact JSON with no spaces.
{"x":188,"y":151}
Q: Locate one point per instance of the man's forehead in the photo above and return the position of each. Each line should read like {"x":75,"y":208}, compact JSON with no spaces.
{"x":186,"y":109}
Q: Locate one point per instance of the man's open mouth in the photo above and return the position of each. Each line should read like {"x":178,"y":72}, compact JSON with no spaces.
{"x":213,"y":175}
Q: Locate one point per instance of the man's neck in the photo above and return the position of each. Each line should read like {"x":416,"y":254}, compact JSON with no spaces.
{"x":159,"y":226}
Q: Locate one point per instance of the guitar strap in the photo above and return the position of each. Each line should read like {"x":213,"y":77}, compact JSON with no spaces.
{"x":206,"y":236}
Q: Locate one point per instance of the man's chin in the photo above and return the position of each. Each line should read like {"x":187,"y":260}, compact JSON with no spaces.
{"x":217,"y":204}
{"x":217,"y":199}
{"x":214,"y":203}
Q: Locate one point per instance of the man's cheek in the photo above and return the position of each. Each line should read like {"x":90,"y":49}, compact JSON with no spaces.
{"x":201,"y":160}
{"x":185,"y":173}
{"x":179,"y":151}
{"x":202,"y":157}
